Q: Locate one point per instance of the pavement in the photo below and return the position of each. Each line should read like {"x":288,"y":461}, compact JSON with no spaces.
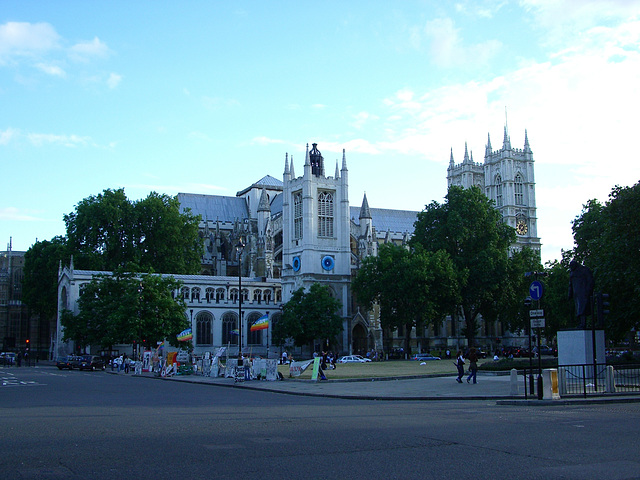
{"x":490,"y":387}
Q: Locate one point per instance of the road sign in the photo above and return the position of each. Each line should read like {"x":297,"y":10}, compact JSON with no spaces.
{"x":536,"y":289}
{"x":537,"y":323}
{"x":536,"y":313}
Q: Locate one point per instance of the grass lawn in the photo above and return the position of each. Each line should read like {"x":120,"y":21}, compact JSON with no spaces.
{"x":397,"y":368}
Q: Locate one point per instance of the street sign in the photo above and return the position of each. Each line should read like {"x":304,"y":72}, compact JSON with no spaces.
{"x":536,"y":289}
{"x":537,"y":323}
{"x":536,"y":313}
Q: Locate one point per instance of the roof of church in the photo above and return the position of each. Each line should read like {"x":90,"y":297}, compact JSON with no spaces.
{"x":389,"y":220}
{"x":214,"y":207}
{"x":268,"y":182}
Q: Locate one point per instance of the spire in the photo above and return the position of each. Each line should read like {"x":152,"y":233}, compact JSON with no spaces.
{"x":286,"y":163}
{"x":344,"y":160}
{"x":488,"y":150}
{"x":337,"y":175}
{"x":364,"y":210}
{"x":293,"y":174}
{"x":506,"y":142}
{"x":527,"y":148}
{"x":471,"y":156}
{"x":306,"y":157}
{"x":451,"y":164}
{"x":263,"y":206}
{"x":466,"y":153}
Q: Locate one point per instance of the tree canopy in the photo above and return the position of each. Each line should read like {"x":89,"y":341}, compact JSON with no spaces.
{"x":412,"y":288}
{"x":471,"y":231}
{"x":108,"y":231}
{"x":607,"y":240}
{"x":123,"y":308}
{"x":309,"y":316}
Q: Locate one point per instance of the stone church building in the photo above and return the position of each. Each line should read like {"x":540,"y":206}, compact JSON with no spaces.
{"x":277,"y":236}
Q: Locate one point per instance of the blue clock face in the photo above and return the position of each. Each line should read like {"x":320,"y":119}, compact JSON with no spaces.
{"x":328,"y":263}
{"x":296,"y":264}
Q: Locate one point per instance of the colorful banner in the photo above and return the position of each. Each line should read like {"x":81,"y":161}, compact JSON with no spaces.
{"x":185,"y":335}
{"x":296,"y":368}
{"x":261,"y":324}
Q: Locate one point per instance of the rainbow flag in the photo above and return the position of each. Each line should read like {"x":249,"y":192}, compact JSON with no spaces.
{"x":235,"y":331}
{"x":261,"y":324}
{"x":185,"y":335}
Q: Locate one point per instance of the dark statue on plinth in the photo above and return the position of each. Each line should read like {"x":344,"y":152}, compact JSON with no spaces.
{"x":581,"y":291}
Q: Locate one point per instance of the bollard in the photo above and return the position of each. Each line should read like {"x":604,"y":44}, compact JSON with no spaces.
{"x":514,"y":382}
{"x":550,"y":384}
{"x":610,"y":379}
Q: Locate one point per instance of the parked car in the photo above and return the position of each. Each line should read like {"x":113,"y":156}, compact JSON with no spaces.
{"x":7,"y":358}
{"x":353,"y":359}
{"x":424,"y":357}
{"x":91,"y":362}
{"x":546,"y":350}
{"x":64,"y":362}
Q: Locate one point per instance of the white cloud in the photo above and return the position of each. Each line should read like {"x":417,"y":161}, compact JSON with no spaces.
{"x":22,"y":38}
{"x":447,"y":49}
{"x":84,"y":51}
{"x":7,"y":135}
{"x":40,"y":139}
{"x":52,"y":70}
{"x":114,"y":80}
{"x":16,"y":214}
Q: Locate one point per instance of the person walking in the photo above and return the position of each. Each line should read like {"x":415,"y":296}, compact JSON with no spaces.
{"x":473,"y":365}
{"x":460,"y":365}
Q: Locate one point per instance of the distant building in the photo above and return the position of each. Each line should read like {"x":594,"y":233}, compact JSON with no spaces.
{"x":302,"y":230}
{"x":17,"y":325}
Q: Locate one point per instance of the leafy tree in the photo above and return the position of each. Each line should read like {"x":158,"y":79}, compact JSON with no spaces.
{"x":123,"y":308}
{"x":309,"y":316}
{"x":108,"y":232}
{"x":40,"y":285}
{"x":412,"y":288}
{"x":557,"y":307}
{"x":471,"y":231}
{"x":607,"y":240}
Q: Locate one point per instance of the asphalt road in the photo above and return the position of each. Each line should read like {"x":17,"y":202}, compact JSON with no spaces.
{"x":92,"y":425}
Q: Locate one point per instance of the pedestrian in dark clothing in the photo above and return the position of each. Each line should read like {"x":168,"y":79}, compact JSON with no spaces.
{"x":460,"y":365}
{"x":473,"y":365}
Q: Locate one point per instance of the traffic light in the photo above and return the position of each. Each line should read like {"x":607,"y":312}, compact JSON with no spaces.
{"x":602,"y":305}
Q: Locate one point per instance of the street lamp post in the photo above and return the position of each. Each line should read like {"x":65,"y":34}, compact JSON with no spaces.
{"x":240,"y":248}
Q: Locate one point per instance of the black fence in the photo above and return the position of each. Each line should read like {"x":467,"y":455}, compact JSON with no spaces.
{"x":587,"y":380}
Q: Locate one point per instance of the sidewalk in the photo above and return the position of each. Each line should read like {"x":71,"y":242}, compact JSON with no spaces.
{"x":489,"y":387}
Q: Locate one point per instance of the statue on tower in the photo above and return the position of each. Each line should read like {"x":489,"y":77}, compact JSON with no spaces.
{"x":581,"y":291}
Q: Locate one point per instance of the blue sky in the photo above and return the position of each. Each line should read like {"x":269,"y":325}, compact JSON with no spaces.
{"x":208,"y":97}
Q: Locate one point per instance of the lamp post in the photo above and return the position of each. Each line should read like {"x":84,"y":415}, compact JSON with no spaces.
{"x":240,"y":248}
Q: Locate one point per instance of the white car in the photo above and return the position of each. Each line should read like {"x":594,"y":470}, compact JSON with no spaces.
{"x":353,"y":359}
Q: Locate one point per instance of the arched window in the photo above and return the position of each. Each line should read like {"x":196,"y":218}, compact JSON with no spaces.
{"x":297,"y":216}
{"x":245,"y":295}
{"x":209,"y":294}
{"x":267,"y":296}
{"x":253,"y":338}
{"x":325,"y":214}
{"x":195,"y":294}
{"x":230,"y":328}
{"x":498,"y":191}
{"x":257,"y":295}
{"x":204,"y":321}
{"x":519,"y":190}
{"x":233,"y":294}
{"x":185,"y":293}
{"x":219,"y":294}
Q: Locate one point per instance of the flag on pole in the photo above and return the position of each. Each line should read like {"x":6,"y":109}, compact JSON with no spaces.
{"x":235,"y":331}
{"x":185,"y":335}
{"x":261,"y":324}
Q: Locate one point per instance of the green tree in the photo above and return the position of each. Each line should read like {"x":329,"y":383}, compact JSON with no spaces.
{"x":412,"y":288}
{"x":123,"y":308}
{"x":40,"y":285}
{"x":557,"y":307}
{"x":309,"y":316}
{"x":108,"y":232}
{"x":607,"y":240}
{"x":471,"y":231}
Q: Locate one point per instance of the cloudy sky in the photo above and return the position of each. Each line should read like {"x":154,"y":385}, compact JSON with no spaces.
{"x":208,"y":97}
